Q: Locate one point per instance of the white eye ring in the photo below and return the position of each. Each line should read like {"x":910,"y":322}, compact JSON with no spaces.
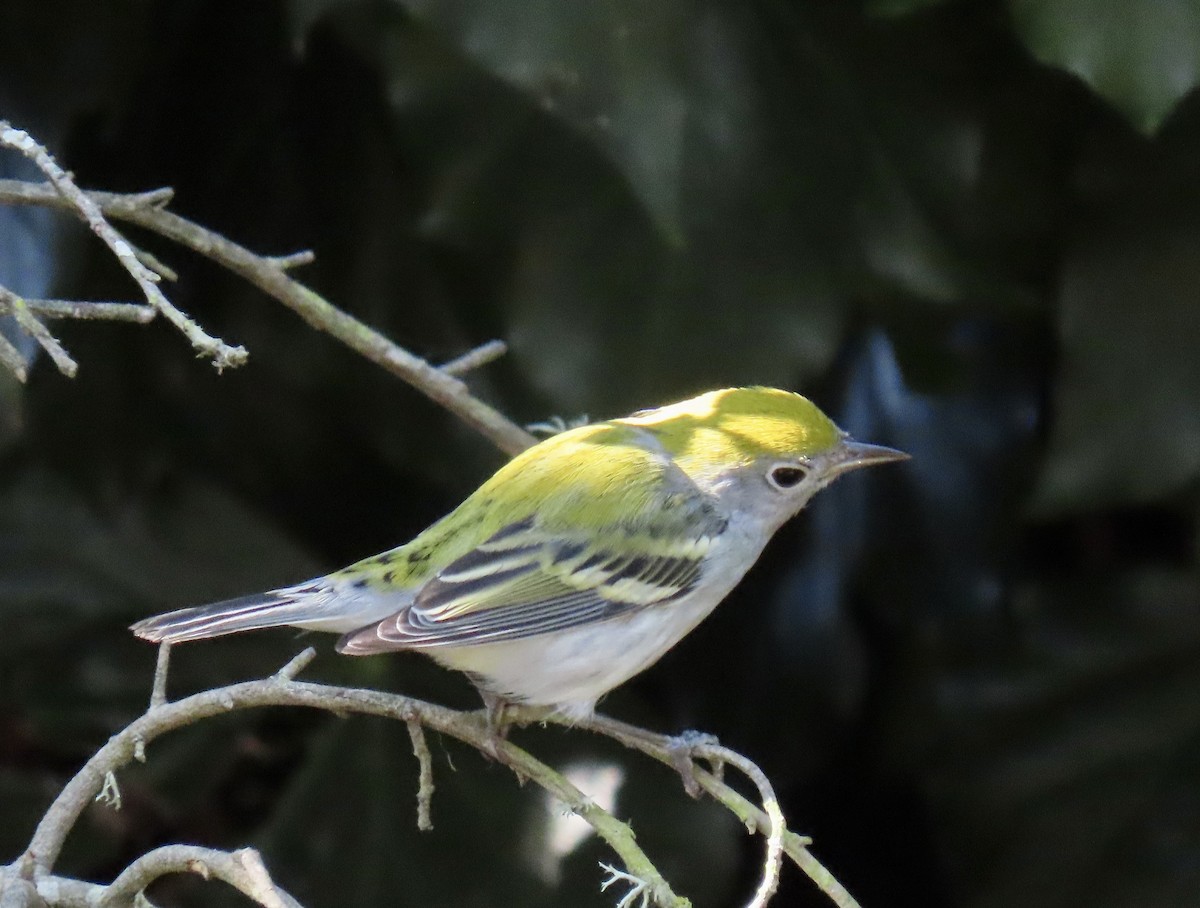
{"x":785,"y":476}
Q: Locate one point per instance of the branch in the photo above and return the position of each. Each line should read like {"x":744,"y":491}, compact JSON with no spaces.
{"x":64,"y":892}
{"x":35,"y":329}
{"x":280,"y":690}
{"x":158,"y":693}
{"x":425,"y":780}
{"x":11,"y":359}
{"x":664,"y":749}
{"x":71,"y":196}
{"x":145,"y":210}
{"x":295,"y":260}
{"x":776,"y":827}
{"x":473,"y":359}
{"x":25,"y":311}
{"x":87,"y":310}
{"x":244,"y":870}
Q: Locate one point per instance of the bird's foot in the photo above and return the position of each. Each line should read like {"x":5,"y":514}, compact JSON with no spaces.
{"x":497,"y":727}
{"x":684,"y":749}
{"x":498,"y":724}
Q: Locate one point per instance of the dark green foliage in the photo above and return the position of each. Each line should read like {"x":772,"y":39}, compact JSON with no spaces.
{"x":968,"y":229}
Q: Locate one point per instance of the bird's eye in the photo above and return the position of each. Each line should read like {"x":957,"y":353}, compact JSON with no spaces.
{"x":786,"y":477}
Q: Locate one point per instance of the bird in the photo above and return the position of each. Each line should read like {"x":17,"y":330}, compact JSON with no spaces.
{"x":582,"y":560}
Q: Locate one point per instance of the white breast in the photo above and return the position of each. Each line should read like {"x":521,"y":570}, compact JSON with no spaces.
{"x":570,"y":670}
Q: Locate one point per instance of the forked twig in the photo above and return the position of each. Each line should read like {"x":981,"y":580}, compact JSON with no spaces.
{"x":145,"y":210}
{"x":223,"y":355}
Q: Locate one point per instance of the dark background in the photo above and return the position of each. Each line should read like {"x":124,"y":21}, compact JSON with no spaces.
{"x":967,"y":229}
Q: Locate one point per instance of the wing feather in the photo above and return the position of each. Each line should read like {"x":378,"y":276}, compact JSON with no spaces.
{"x":497,"y":592}
{"x":544,"y":573}
{"x":551,"y":594}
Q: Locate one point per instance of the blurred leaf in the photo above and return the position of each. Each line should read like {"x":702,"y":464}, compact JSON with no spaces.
{"x":12,"y":401}
{"x":44,"y":47}
{"x":24,"y":793}
{"x":73,"y":574}
{"x":353,"y":805}
{"x":615,"y":72}
{"x":591,"y":288}
{"x":962,"y":182}
{"x":1062,"y":761}
{"x":1126,"y":426}
{"x":802,"y":183}
{"x":574,"y":337}
{"x":1141,"y":56}
{"x":899,"y":7}
{"x":59,"y":548}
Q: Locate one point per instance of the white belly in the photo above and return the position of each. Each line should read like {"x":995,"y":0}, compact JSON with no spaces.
{"x":570,"y":670}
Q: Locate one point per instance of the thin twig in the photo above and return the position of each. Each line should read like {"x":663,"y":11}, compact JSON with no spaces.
{"x":11,"y":359}
{"x":296,"y":665}
{"x":432,"y":382}
{"x":778,"y":825}
{"x":473,"y":359}
{"x":30,"y":325}
{"x":152,"y":198}
{"x":158,"y":694}
{"x":294,"y":260}
{"x":155,"y":264}
{"x":223,"y":355}
{"x":660,"y":748}
{"x":85,"y":310}
{"x":444,"y":389}
{"x":425,"y":782}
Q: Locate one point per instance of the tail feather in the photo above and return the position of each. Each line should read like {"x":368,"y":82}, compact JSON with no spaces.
{"x":246,"y":613}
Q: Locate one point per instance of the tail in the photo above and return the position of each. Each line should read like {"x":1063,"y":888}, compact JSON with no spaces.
{"x":246,"y":613}
{"x":333,"y":604}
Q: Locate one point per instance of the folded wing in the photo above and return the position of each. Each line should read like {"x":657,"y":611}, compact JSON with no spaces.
{"x":526,"y":580}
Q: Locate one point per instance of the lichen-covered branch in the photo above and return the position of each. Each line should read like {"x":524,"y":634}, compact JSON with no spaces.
{"x":12,"y":360}
{"x":661,"y":748}
{"x":271,"y":276}
{"x":87,"y":310}
{"x":34,"y":328}
{"x":282,"y":690}
{"x":243,"y":870}
{"x":221,"y":353}
{"x":473,"y":359}
{"x":425,"y":778}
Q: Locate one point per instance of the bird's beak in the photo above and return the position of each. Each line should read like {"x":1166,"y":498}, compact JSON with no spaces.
{"x":851,"y":454}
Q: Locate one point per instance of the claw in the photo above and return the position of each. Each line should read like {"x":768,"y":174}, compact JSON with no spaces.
{"x":495,"y":707}
{"x":683,"y":749}
{"x":498,"y":726}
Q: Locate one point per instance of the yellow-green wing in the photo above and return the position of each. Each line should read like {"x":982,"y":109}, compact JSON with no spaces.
{"x":527,"y":579}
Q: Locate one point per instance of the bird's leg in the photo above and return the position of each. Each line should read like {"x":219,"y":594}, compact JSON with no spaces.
{"x":494,"y":707}
{"x":683,"y":749}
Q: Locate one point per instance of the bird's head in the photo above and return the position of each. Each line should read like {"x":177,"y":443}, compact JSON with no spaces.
{"x":758,"y":448}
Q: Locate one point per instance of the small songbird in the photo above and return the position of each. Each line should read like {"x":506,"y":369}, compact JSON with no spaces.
{"x":583,"y":559}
